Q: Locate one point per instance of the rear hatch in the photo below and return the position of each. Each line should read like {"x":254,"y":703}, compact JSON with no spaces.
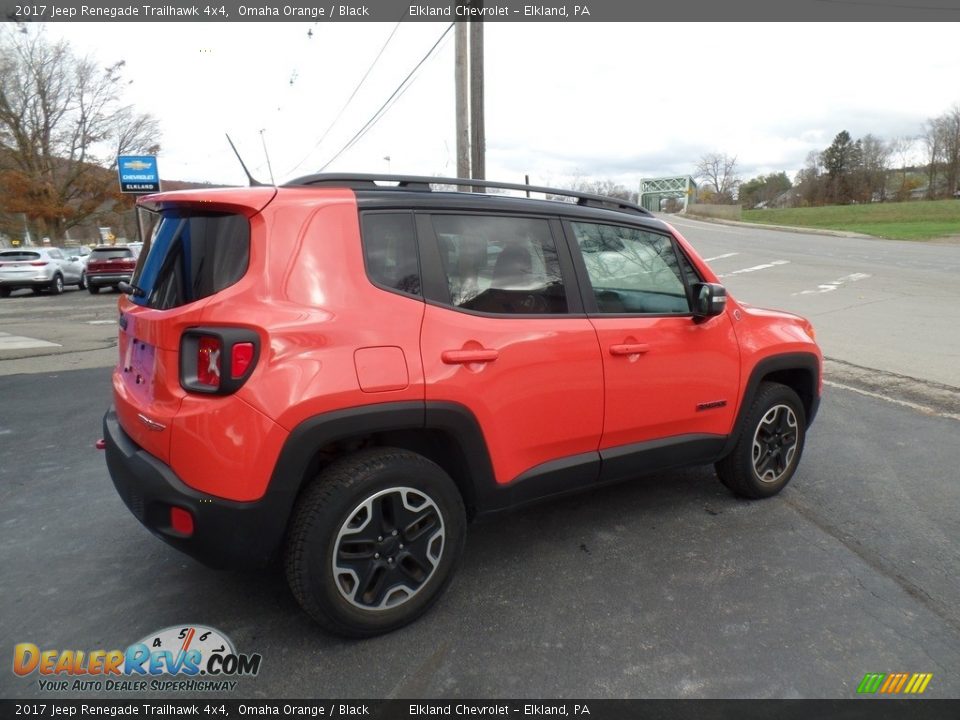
{"x":192,"y":250}
{"x":19,"y":264}
{"x":112,"y":260}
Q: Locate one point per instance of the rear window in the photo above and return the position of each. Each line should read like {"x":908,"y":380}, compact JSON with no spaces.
{"x":111,"y":253}
{"x":187,"y":257}
{"x":15,"y":255}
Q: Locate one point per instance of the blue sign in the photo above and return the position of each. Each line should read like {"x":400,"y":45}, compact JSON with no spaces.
{"x":138,"y":173}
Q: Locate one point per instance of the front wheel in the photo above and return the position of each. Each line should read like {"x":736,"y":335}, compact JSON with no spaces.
{"x":374,"y":541}
{"x":768,"y":451}
{"x":83,"y":282}
{"x":94,"y":289}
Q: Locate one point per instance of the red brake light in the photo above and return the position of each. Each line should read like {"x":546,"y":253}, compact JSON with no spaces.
{"x":39,"y":263}
{"x":181,"y":521}
{"x":208,"y":361}
{"x":241,"y":355}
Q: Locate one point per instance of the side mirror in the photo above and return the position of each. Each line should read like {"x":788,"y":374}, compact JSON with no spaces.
{"x":74,"y":258}
{"x":709,"y":299}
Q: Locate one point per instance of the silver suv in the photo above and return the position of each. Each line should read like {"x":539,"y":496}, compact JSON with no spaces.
{"x":39,"y":269}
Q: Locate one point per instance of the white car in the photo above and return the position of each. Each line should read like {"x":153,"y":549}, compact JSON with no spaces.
{"x":39,"y":269}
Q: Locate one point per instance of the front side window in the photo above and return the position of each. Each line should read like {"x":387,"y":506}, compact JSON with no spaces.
{"x":631,"y":270}
{"x":504,"y":265}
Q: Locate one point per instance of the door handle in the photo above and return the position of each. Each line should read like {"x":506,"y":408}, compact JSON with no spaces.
{"x":629,"y":349}
{"x":463,"y":357}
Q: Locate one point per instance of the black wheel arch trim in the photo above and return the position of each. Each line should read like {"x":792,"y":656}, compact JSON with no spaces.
{"x":779,"y":367}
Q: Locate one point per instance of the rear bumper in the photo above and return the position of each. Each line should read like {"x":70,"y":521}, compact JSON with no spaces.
{"x":227,"y":534}
{"x":101,"y":279}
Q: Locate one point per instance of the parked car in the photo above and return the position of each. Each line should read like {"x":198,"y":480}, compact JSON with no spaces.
{"x":81,"y":252}
{"x":109,"y":265}
{"x":38,"y":268}
{"x":340,"y":375}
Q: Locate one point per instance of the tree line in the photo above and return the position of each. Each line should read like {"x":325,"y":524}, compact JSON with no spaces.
{"x":861,"y":170}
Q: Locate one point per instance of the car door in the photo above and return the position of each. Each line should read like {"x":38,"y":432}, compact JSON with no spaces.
{"x":67,"y":268}
{"x":671,"y":380}
{"x":505,"y":338}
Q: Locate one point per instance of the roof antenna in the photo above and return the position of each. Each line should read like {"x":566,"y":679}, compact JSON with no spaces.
{"x":267,"y":155}
{"x":253,"y":183}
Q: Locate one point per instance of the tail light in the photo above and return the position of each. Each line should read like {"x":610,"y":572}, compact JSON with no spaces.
{"x":217,"y":360}
{"x":39,"y":263}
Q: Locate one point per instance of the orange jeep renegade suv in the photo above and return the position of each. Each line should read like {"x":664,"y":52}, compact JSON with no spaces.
{"x":340,"y":374}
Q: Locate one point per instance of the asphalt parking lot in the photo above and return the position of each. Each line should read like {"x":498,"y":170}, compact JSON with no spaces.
{"x":666,"y":586}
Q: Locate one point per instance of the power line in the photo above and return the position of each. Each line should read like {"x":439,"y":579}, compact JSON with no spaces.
{"x":352,"y":95}
{"x":401,"y":88}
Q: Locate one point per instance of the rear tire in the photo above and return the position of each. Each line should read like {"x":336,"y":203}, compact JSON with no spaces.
{"x":56,"y":285}
{"x":94,"y":289}
{"x":770,"y":445}
{"x":374,"y":541}
{"x":4,"y":292}
{"x":83,"y":282}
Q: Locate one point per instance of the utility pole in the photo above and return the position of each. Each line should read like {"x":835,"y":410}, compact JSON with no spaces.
{"x":468,"y":79}
{"x":478,"y":141}
{"x":461,"y":78}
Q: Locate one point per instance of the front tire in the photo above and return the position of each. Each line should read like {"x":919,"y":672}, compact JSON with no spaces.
{"x":94,"y":289}
{"x":374,"y":541}
{"x":770,"y":445}
{"x":4,"y":292}
{"x":82,"y":285}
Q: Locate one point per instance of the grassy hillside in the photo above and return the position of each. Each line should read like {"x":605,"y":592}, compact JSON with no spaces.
{"x":921,"y":220}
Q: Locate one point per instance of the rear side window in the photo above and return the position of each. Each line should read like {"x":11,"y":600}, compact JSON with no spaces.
{"x":503,"y":265}
{"x":390,"y":251}
{"x":188,"y":257}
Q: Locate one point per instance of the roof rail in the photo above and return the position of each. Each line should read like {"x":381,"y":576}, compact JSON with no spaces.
{"x":361,"y":181}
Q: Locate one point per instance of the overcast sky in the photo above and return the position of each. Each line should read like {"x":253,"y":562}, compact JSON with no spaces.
{"x":620,"y":101}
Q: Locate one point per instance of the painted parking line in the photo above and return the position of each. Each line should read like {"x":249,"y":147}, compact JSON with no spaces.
{"x":19,"y":342}
{"x":720,"y":257}
{"x":834,"y":284}
{"x":755,"y":268}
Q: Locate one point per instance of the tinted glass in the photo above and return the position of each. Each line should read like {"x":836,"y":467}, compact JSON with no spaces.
{"x":111,"y":253}
{"x":500,"y":264}
{"x":390,"y":251}
{"x":191,"y":257}
{"x":631,"y":270}
{"x":15,"y":255}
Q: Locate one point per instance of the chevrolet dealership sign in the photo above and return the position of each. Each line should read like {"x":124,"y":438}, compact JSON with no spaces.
{"x":138,"y":173}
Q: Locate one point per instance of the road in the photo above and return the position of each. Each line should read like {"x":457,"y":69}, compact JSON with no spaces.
{"x":886,"y":304}
{"x":663,"y":587}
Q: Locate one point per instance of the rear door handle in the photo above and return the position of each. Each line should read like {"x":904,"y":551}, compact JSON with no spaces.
{"x":629,"y":349}
{"x":463,"y":357}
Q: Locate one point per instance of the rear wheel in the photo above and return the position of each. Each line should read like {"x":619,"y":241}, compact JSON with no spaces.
{"x":83,"y":281}
{"x":94,"y":289}
{"x":56,"y":285}
{"x":4,"y":292}
{"x":770,"y":445}
{"x":374,"y":541}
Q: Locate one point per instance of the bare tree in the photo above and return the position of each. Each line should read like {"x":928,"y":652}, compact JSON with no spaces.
{"x":720,"y":171}
{"x":62,"y":125}
{"x":901,"y":148}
